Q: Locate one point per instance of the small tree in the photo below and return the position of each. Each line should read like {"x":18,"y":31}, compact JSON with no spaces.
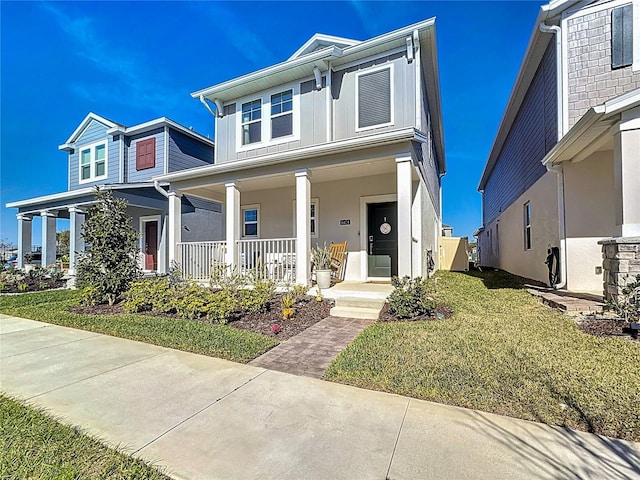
{"x":110,"y":263}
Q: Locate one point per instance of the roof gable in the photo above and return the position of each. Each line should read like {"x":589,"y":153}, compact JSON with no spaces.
{"x":83,"y":126}
{"x":320,"y":41}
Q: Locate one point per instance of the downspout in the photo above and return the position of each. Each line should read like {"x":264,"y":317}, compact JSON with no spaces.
{"x":557,"y":169}
{"x":156,"y":185}
{"x":418,"y":78}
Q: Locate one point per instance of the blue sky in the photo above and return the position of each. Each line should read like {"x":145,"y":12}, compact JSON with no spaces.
{"x":136,"y":61}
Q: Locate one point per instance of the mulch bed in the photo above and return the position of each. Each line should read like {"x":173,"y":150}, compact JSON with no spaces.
{"x":35,"y":285}
{"x":308,"y":312}
{"x":607,"y":327}
{"x":441,"y":312}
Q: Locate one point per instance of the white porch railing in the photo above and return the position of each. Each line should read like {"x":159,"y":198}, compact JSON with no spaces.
{"x":274,"y":259}
{"x":196,"y":258}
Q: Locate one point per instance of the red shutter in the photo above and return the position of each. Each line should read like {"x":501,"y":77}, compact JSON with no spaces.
{"x":146,"y":154}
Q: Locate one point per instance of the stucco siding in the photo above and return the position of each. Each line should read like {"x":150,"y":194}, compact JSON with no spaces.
{"x":132,"y":175}
{"x":502,"y":242}
{"x":93,"y":133}
{"x":186,"y":152}
{"x":591,"y":80}
{"x":532,"y":135}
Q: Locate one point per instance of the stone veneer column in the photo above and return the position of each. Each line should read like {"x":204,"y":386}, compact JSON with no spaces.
{"x":621,"y":263}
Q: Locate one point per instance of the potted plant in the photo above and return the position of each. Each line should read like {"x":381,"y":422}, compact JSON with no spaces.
{"x":321,"y":257}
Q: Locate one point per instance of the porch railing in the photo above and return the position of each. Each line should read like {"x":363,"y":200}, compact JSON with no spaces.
{"x":273,"y":259}
{"x":196,"y":258}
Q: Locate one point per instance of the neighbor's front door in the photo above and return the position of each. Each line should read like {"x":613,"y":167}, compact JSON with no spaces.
{"x":151,"y":245}
{"x":382,"y":239}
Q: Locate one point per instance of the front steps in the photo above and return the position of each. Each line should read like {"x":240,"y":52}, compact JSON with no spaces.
{"x":357,"y":307}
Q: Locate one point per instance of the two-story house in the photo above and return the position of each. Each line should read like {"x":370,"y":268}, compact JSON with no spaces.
{"x":341,"y":142}
{"x":124,"y":160}
{"x":564,"y":172}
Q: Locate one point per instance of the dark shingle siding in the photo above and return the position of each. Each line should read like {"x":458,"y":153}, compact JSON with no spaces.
{"x":186,"y":152}
{"x":532,"y":135}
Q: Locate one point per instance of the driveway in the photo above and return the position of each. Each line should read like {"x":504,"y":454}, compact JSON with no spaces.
{"x":206,"y":418}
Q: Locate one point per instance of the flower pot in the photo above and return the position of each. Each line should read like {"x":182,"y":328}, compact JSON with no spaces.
{"x":323,"y":278}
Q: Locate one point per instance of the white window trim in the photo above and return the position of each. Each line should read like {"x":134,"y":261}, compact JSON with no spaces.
{"x":282,"y":114}
{"x":527,"y":226}
{"x":91,"y":147}
{"x":265,"y":134}
{"x":316,"y":202}
{"x":143,"y":220}
{"x":255,"y":206}
{"x":366,"y":71}
{"x":250,"y":122}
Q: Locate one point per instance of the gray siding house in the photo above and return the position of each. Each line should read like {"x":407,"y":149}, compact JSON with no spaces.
{"x":123,"y":159}
{"x":563,"y":173}
{"x":340,"y":142}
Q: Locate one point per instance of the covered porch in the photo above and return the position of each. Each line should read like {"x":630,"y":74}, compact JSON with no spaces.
{"x":274,"y":215}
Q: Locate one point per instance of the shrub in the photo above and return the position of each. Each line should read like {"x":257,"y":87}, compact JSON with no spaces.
{"x":154,"y":295}
{"x":256,"y":299}
{"x":298,"y":292}
{"x":22,"y":287}
{"x":627,"y":305}
{"x":111,"y":261}
{"x":411,"y":297}
{"x":194,"y":302}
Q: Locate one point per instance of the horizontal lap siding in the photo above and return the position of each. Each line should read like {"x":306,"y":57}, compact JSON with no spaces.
{"x":132,"y":175}
{"x":532,"y":135}
{"x":95,"y":132}
{"x":186,"y":152}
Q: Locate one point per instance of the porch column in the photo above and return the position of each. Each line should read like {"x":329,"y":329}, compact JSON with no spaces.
{"x":626,"y":149}
{"x":404,"y":168}
{"x":48,"y":237}
{"x":76,"y":242}
{"x":303,"y":226}
{"x":24,"y":237}
{"x":175,"y":225}
{"x":232,"y":219}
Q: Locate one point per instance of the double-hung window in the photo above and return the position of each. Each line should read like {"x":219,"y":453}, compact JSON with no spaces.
{"x":527,"y":226}
{"x":251,"y":221}
{"x":251,"y":122}
{"x":93,"y":162}
{"x":282,"y":114}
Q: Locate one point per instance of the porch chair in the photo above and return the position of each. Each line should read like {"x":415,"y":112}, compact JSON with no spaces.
{"x":338,"y":253}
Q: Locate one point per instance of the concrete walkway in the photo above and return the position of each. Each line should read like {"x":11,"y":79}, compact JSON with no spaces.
{"x":311,"y":351}
{"x":205,"y":418}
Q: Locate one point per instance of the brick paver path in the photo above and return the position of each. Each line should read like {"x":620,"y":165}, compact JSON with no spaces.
{"x":310,"y":352}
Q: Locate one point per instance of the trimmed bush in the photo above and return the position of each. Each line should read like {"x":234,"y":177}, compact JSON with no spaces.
{"x":411,"y":297}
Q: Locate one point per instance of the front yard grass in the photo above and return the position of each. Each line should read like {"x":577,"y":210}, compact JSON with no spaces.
{"x":34,"y":445}
{"x":191,"y":336}
{"x":502,"y":352}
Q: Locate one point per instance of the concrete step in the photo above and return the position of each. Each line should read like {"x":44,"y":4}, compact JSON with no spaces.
{"x":355,"y":312}
{"x":360,"y":302}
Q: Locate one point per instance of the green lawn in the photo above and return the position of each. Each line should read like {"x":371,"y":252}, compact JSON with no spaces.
{"x":502,"y":352}
{"x":34,"y":445}
{"x":214,"y":340}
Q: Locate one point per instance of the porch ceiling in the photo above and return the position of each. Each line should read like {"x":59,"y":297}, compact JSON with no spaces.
{"x":322,"y":173}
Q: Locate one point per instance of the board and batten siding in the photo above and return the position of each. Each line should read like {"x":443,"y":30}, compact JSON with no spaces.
{"x":93,"y":133}
{"x":532,"y":135}
{"x":344,"y":94}
{"x":186,"y":152}
{"x":132,"y":175}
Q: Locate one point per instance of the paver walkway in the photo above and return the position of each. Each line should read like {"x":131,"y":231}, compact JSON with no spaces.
{"x":568,"y":302}
{"x":310,"y":352}
{"x":206,"y":418}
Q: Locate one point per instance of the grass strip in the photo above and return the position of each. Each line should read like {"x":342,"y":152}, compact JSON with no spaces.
{"x":219,"y":341}
{"x":34,"y":445}
{"x":502,"y":352}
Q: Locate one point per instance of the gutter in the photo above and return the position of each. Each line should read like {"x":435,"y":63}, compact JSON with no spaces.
{"x":162,"y":191}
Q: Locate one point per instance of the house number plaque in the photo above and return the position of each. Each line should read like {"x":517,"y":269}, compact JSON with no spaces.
{"x":345,"y":221}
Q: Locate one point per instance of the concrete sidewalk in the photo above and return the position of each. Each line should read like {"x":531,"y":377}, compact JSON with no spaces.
{"x":207,"y":418}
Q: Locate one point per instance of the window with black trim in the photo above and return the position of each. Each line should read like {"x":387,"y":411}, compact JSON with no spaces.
{"x":622,"y":36}
{"x":251,"y":122}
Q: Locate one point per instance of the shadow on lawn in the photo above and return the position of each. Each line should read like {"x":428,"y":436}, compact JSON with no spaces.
{"x":494,"y":279}
{"x":559,"y":453}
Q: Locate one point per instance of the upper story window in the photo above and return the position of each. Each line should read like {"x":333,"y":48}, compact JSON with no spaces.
{"x":251,"y":122}
{"x":93,"y":162}
{"x":281,"y":109}
{"x":146,"y":153}
{"x":374,"y":97}
{"x":282,"y":114}
{"x":622,"y":36}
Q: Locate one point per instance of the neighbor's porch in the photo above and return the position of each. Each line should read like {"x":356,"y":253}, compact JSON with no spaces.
{"x":273,"y":219}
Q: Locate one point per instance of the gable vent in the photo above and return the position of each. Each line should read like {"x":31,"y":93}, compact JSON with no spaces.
{"x":374,"y":98}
